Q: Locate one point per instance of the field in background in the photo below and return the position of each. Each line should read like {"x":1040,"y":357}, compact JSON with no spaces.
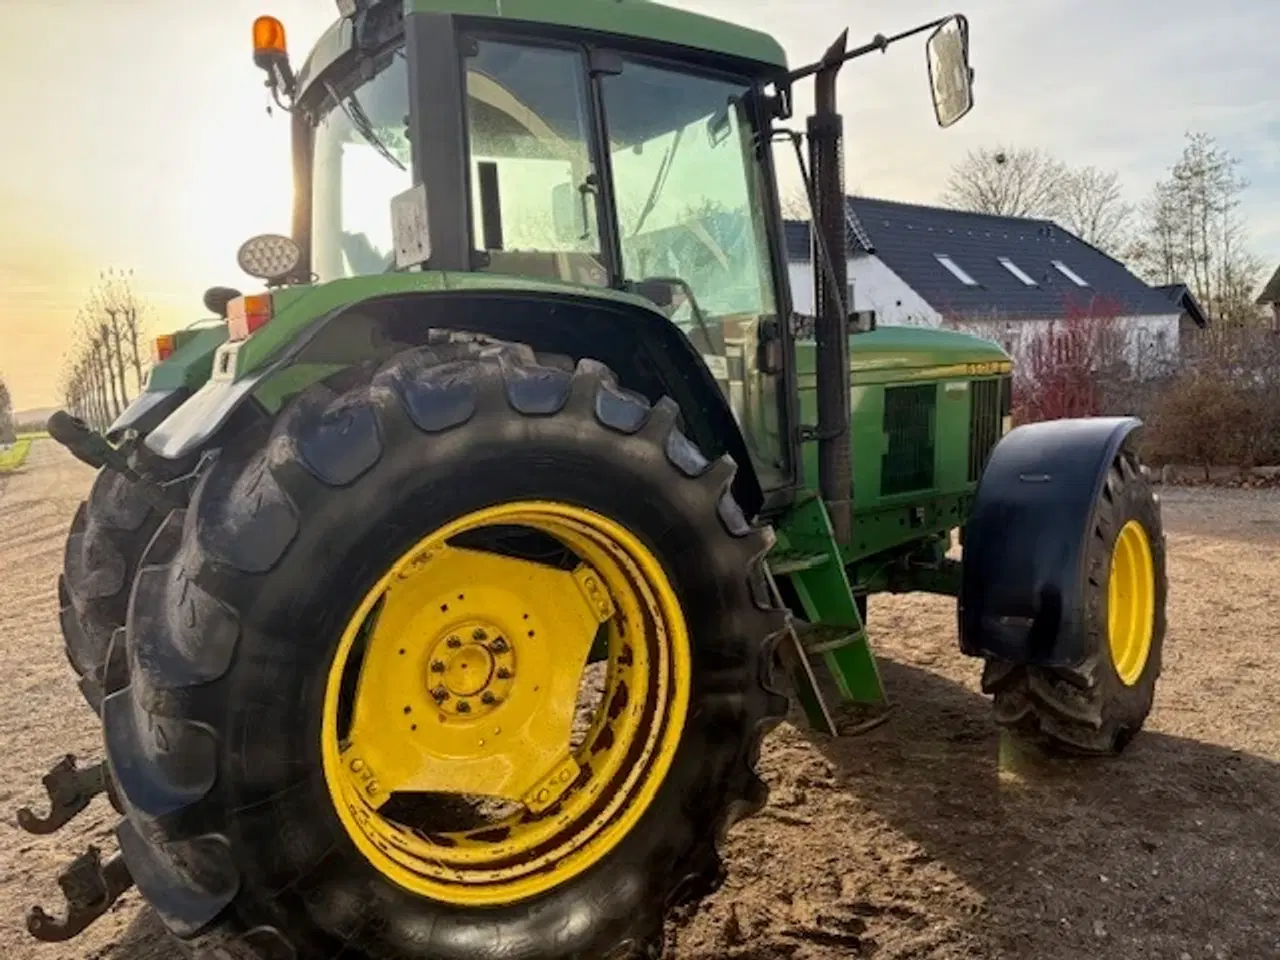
{"x":927,"y":839}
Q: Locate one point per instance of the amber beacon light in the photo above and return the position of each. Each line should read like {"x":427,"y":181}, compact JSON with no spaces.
{"x":269,"y":44}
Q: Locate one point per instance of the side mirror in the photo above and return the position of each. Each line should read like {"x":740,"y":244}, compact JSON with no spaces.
{"x":950,"y":76}
{"x":568,"y":213}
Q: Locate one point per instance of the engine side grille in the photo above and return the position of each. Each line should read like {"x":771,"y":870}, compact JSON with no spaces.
{"x":986,"y":414}
{"x":909,"y":425}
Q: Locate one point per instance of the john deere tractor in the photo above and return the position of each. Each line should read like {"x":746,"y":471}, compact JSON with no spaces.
{"x":436,"y":596}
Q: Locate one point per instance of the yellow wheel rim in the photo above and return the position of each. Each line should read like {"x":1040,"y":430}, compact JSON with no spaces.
{"x":453,"y":749}
{"x":1131,"y":602}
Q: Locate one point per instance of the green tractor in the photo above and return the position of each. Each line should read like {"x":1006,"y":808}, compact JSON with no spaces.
{"x":436,"y":599}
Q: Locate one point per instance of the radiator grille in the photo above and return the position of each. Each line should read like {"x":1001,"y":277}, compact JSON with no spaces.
{"x":988,"y":400}
{"x":908,"y":423}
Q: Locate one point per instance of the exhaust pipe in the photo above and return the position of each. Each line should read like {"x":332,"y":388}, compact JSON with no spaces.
{"x":830,"y":284}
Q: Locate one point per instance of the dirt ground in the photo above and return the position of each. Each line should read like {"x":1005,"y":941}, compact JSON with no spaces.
{"x":926,"y":838}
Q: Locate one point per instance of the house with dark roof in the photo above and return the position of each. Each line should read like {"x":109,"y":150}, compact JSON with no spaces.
{"x":1002,"y":277}
{"x":1270,"y":297}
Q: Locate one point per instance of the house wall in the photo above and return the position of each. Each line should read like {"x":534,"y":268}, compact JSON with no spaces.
{"x":875,"y":287}
{"x":1150,"y":342}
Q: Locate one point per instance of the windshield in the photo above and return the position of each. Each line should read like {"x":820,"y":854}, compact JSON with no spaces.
{"x":360,"y":161}
{"x":689,"y":185}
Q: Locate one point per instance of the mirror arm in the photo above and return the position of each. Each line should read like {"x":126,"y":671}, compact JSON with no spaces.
{"x":879,"y":43}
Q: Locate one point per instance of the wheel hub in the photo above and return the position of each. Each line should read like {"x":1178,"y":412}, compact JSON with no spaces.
{"x":472,"y":669}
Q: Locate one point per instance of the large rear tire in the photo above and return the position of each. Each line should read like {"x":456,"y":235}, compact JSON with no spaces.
{"x":1099,"y":706}
{"x":250,"y":827}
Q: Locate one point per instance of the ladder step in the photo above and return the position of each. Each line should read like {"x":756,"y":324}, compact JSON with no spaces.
{"x":795,"y":562}
{"x":818,"y":638}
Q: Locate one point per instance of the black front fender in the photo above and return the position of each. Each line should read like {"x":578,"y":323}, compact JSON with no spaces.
{"x":1024,"y":540}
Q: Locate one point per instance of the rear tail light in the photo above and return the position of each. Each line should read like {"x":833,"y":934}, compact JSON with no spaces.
{"x":163,"y":347}
{"x":246,"y":315}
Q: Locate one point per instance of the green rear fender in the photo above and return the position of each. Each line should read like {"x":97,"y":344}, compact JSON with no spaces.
{"x":171,"y":383}
{"x":317,"y":331}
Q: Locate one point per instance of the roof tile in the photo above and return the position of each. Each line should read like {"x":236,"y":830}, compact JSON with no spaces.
{"x":908,"y":238}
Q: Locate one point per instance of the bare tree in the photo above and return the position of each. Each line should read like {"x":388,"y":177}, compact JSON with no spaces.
{"x":108,"y":351}
{"x":1027,"y":182}
{"x":116,"y":303}
{"x":1091,"y":204}
{"x":1193,"y":232}
{"x":1006,"y":181}
{"x":795,"y":204}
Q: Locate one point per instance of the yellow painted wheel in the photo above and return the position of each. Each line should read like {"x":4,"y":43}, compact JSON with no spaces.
{"x":1131,"y":602}
{"x":454,"y":748}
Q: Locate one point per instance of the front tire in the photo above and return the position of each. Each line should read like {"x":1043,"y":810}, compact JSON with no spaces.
{"x":219,"y":743}
{"x":1099,"y":706}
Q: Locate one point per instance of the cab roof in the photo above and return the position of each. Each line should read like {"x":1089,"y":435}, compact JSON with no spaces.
{"x":637,"y":19}
{"x":641,"y":19}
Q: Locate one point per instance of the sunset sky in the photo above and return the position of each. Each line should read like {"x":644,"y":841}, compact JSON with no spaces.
{"x":136,"y":135}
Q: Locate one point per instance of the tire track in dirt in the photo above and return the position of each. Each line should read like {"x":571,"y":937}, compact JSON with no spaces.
{"x":927,"y":839}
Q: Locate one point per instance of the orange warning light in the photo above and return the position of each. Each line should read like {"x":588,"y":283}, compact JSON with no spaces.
{"x":268,"y":41}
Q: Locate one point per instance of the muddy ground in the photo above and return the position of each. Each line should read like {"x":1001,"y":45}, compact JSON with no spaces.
{"x":926,"y":838}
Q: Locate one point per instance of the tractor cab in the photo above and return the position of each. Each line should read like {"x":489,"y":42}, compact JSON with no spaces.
{"x":632,"y":153}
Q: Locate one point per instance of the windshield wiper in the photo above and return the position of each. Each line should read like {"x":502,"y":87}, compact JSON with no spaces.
{"x":364,"y":126}
{"x":659,"y":182}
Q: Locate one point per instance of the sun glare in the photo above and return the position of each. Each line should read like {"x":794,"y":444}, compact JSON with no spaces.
{"x":242,"y":188}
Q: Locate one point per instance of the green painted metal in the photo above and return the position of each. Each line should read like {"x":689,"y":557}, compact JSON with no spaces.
{"x":940,"y":364}
{"x":274,"y":392}
{"x":900,"y":354}
{"x":641,"y":19}
{"x":191,"y":363}
{"x":807,"y":556}
{"x":295,"y":308}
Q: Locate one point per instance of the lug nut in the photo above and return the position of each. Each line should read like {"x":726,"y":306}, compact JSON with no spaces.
{"x":464,"y":707}
{"x":488,"y":699}
{"x":478,"y":634}
{"x":437,"y":666}
{"x":504,"y":673}
{"x":499,"y":646}
{"x":439,"y":694}
{"x":454,"y":643}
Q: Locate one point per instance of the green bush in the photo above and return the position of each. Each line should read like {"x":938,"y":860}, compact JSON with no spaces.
{"x":13,"y":457}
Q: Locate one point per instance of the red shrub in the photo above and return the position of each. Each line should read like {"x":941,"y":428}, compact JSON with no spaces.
{"x":1058,"y":370}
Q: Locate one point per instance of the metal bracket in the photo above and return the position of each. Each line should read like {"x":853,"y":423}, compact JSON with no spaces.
{"x":70,"y":790}
{"x":90,"y":888}
{"x":92,"y":448}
